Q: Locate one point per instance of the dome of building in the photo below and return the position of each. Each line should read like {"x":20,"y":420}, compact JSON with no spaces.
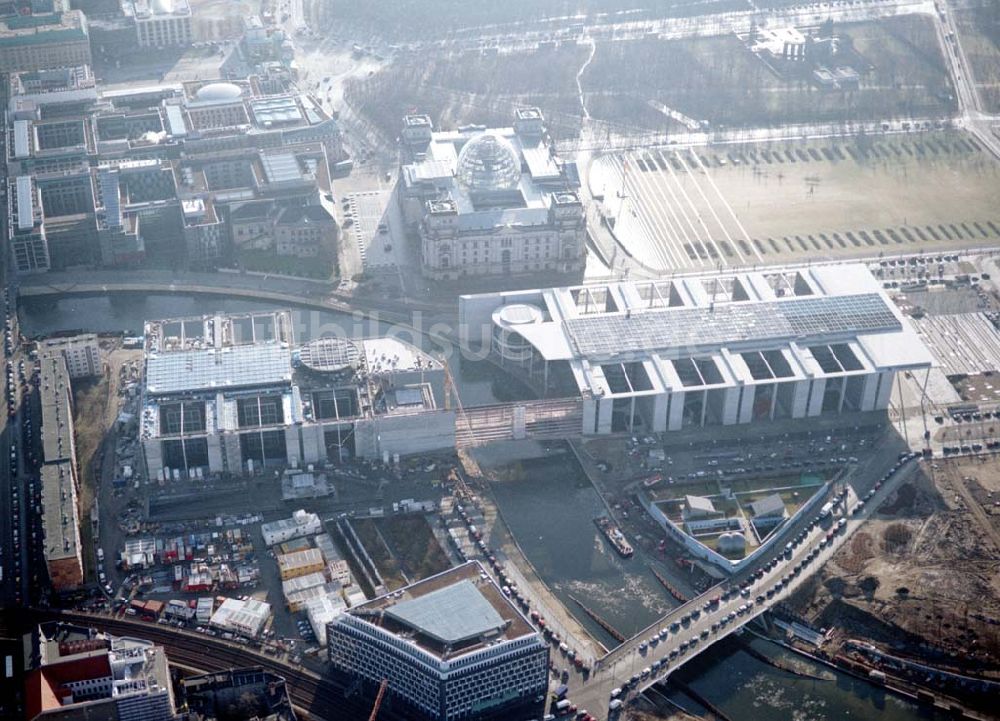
{"x":162,"y":7}
{"x":489,"y":162}
{"x":218,"y":92}
{"x":327,"y":355}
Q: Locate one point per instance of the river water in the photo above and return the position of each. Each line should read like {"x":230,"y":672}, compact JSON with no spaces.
{"x":477,"y":383}
{"x":550,"y":508}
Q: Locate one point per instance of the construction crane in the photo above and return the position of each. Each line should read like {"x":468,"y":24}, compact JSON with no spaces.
{"x":378,"y":699}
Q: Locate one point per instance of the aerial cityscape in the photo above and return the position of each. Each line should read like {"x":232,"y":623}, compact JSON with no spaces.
{"x":418,"y":360}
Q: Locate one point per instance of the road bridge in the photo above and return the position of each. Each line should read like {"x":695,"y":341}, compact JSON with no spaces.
{"x":688,"y":630}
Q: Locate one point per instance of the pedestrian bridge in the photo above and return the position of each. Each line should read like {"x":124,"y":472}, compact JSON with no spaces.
{"x":550,"y":419}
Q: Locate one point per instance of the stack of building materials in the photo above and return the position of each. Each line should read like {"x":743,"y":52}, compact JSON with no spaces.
{"x":251,"y":618}
{"x":179,"y":609}
{"x":340,"y":572}
{"x":336,"y":567}
{"x":300,"y":583}
{"x":199,"y":579}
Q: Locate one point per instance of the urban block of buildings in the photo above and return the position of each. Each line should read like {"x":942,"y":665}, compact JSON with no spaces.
{"x":232,"y":394}
{"x":42,"y":41}
{"x":703,"y":350}
{"x":201,"y":172}
{"x":77,"y":673}
{"x":452,"y":646}
{"x":59,"y":477}
{"x":52,"y":88}
{"x":491,"y":202}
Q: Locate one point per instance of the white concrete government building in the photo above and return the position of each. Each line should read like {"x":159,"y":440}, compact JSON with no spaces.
{"x":700,"y":350}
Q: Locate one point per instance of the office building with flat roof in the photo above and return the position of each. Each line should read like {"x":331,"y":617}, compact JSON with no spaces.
{"x":160,"y":23}
{"x":452,"y":647}
{"x":81,"y":352}
{"x":34,"y":91}
{"x":79,"y":673}
{"x":44,"y":40}
{"x":60,"y":512}
{"x":234,"y":395}
{"x":703,"y":350}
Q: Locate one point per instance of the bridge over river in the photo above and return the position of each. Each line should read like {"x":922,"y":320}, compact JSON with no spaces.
{"x":679,"y":637}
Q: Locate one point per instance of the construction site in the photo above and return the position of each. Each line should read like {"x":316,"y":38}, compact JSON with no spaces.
{"x":916,"y":591}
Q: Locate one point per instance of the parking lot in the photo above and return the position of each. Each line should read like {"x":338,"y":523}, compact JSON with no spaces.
{"x":368,"y":214}
{"x":374,"y":220}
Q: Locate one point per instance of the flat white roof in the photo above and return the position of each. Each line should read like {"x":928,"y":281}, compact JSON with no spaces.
{"x":709,"y":315}
{"x":25,"y":204}
{"x":392,"y":355}
{"x":21,"y":145}
{"x":217,"y":369}
{"x":175,"y":121}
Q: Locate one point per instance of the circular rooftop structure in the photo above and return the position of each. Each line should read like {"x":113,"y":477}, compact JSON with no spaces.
{"x":328,"y":355}
{"x":218,"y":92}
{"x":162,"y":7}
{"x":516,"y":314}
{"x":489,"y":162}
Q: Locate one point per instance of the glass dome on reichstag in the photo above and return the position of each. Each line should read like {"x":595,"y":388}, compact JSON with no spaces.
{"x":489,"y":162}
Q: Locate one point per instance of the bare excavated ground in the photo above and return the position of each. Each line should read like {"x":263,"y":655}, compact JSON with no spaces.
{"x":920,"y":579}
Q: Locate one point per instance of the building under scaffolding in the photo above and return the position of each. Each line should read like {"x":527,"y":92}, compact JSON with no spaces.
{"x":232,"y":394}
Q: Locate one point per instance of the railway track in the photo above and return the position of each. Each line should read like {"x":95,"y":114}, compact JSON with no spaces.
{"x":314,"y":696}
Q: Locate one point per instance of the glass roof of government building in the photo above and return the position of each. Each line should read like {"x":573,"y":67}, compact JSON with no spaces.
{"x":728,"y":324}
{"x":218,"y":368}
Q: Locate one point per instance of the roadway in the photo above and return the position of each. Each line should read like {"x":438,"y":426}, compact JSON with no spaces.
{"x":19,"y":556}
{"x":970,"y":107}
{"x":707,"y":25}
{"x":679,"y":637}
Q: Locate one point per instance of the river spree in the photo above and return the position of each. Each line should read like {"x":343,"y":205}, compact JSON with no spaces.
{"x":550,"y":507}
{"x":477,"y":383}
{"x":744,"y":687}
